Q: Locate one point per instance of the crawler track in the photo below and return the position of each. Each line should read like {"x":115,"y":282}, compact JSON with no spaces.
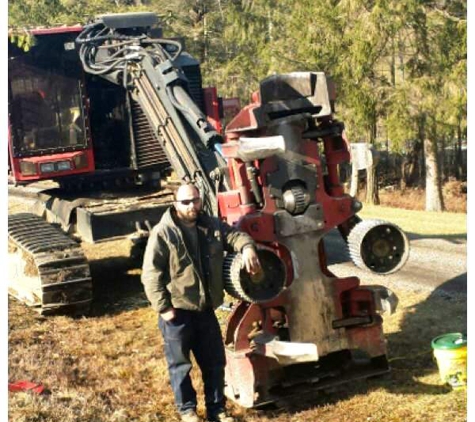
{"x":47,"y":269}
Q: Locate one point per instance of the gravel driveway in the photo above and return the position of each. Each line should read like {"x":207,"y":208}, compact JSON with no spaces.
{"x":434,"y":264}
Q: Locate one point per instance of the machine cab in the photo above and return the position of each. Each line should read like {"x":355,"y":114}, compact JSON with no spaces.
{"x":49,"y":132}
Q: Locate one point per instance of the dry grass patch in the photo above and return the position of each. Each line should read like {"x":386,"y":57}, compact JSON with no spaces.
{"x":110,"y":367}
{"x":454,"y":194}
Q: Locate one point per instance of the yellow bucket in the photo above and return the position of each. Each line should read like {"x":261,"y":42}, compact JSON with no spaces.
{"x":450,"y":351}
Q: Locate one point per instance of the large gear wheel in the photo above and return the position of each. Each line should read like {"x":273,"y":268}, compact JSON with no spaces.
{"x":259,"y":288}
{"x":378,"y":246}
{"x":296,"y":200}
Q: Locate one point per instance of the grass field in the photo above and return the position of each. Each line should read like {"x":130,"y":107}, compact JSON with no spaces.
{"x":109,"y":367}
{"x":422,"y":223}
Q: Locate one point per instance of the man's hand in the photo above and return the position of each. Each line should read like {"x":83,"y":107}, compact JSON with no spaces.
{"x":168,"y":315}
{"x":251,"y":260}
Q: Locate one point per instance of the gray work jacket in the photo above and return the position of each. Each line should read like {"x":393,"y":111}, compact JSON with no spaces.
{"x":170,"y":276}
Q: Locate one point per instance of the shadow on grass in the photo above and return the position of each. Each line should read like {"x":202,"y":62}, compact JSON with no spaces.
{"x":457,"y":239}
{"x":410,"y":355}
{"x":117,"y":286}
{"x":117,"y":289}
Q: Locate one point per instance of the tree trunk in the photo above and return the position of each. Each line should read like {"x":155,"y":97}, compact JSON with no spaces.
{"x":458,"y":155}
{"x":372,"y":191}
{"x":205,"y":39}
{"x":402,"y":171}
{"x":354,"y":181}
{"x":410,"y":166}
{"x":372,"y":194}
{"x":444,"y":168}
{"x":434,"y":199}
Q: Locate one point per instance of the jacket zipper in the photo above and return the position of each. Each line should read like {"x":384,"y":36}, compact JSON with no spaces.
{"x":202,"y":285}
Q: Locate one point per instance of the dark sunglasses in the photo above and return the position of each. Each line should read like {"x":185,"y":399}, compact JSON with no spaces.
{"x":189,"y":201}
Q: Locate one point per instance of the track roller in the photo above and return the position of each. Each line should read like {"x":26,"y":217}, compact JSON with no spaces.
{"x":378,"y":246}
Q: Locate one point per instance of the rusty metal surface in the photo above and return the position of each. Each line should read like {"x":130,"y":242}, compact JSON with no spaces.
{"x":254,"y":381}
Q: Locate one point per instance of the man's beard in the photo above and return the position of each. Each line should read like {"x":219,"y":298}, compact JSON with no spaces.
{"x":188,"y":217}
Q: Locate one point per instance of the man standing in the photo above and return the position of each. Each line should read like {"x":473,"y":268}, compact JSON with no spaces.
{"x":182,"y":276}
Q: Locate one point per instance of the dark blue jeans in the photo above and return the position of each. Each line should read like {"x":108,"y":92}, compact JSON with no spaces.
{"x":196,"y":332}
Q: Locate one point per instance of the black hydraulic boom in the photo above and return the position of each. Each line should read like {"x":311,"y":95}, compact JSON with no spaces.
{"x":119,"y":49}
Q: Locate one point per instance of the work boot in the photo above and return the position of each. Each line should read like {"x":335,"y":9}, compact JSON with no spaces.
{"x":190,"y":416}
{"x":221,"y":417}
